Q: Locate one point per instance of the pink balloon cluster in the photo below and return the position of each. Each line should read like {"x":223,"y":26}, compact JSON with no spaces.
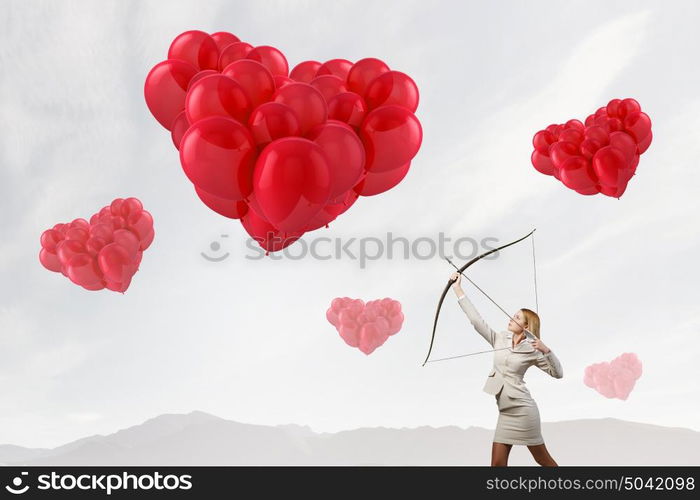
{"x":284,"y":151}
{"x":600,"y":156}
{"x":615,"y":379}
{"x":104,"y":252}
{"x":365,"y":326}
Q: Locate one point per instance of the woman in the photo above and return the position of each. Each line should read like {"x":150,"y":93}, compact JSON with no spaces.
{"x":518,"y":415}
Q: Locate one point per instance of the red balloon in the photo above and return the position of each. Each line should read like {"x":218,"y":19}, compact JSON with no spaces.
{"x":165,"y":89}
{"x":559,"y":152}
{"x":255,"y":79}
{"x":291,"y":182}
{"x":128,"y":240}
{"x":233,"y":209}
{"x":180,"y":126}
{"x":218,"y":155}
{"x":349,"y":108}
{"x":628,"y":106}
{"x":392,"y":87}
{"x":576,"y":173}
{"x":589,"y":147}
{"x":103,"y":231}
{"x":542,"y":163}
{"x":94,"y":245}
{"x":268,"y":237}
{"x":345,"y":200}
{"x":344,"y":152}
{"x":613,"y":107}
{"x":50,"y":238}
{"x":329,"y":85}
{"x":337,"y":67}
{"x":597,"y":134}
{"x":78,"y":234}
{"x":392,"y":136}
{"x":255,"y":206}
{"x":142,"y":225}
{"x":201,"y":75}
{"x":119,"y":206}
{"x":116,"y":263}
{"x":217,"y":95}
{"x":271,"y":58}
{"x":50,"y":260}
{"x":117,"y":287}
{"x":331,"y":211}
{"x":613,"y":191}
{"x":195,"y":47}
{"x":542,"y":140}
{"x":608,"y":164}
{"x":273,"y":120}
{"x":306,"y":101}
{"x":573,"y":135}
{"x":147,"y":240}
{"x":305,"y":71}
{"x":638,"y":125}
{"x":224,"y":39}
{"x":233,"y":52}
{"x":574,"y":125}
{"x":379,"y":182}
{"x":588,"y":191}
{"x":281,"y":81}
{"x":644,"y":144}
{"x":363,"y":72}
{"x":66,"y":249}
{"x":82,"y":269}
{"x":625,"y":143}
{"x":322,"y":218}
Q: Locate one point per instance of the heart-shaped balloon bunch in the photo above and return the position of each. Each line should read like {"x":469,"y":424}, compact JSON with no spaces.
{"x":600,"y":156}
{"x":615,"y":379}
{"x":365,"y":326}
{"x":104,"y":252}
{"x":285,"y":152}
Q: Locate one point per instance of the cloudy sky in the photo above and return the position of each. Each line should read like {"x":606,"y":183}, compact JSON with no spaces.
{"x":247,"y":338}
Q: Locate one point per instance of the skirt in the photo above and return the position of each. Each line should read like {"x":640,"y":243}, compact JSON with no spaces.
{"x":518,"y":421}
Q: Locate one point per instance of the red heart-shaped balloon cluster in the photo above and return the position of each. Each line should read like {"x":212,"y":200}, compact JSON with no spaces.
{"x":365,"y":326}
{"x":104,"y":252}
{"x":285,"y":152}
{"x":600,"y":156}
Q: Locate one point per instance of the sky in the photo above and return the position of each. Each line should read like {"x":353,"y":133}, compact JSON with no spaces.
{"x":247,"y":338}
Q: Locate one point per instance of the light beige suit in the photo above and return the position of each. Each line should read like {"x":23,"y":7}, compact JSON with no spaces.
{"x":518,"y":420}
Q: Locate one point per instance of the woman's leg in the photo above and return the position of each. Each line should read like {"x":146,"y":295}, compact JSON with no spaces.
{"x":542,"y":456}
{"x":499,"y":454}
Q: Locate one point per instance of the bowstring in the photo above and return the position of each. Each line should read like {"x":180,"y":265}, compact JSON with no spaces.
{"x":534,"y":270}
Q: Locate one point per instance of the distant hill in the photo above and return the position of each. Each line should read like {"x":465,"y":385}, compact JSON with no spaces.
{"x":199,"y":438}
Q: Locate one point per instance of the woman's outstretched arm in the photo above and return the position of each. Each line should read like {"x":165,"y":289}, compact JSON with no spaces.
{"x":474,"y":317}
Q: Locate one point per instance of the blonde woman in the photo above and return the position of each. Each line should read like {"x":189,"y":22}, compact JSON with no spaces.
{"x":518,"y":415}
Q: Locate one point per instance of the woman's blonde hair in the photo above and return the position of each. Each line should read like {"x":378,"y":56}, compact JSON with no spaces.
{"x":533,"y":321}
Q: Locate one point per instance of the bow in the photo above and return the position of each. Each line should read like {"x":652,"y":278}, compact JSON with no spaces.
{"x":449,"y":283}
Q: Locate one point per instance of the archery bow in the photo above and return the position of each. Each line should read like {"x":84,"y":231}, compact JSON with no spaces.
{"x":449,"y":283}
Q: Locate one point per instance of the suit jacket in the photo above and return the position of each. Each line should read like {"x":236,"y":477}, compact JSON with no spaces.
{"x":510,"y":365}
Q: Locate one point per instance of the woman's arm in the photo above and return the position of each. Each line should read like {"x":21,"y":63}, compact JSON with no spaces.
{"x":474,"y":317}
{"x":549,"y":363}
